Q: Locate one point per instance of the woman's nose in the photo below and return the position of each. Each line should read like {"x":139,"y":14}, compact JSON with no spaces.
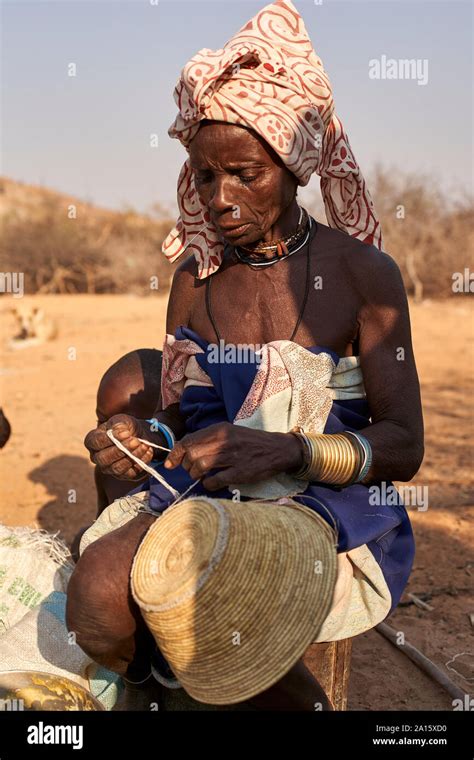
{"x":221,"y":194}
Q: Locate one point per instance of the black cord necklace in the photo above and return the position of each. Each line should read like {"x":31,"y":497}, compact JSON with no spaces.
{"x":297,"y":246}
{"x":305,"y":298}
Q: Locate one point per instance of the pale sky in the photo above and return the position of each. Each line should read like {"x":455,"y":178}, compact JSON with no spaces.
{"x":89,"y":135}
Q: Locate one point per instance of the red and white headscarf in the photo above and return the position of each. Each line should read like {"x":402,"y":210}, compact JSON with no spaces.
{"x":268,"y":77}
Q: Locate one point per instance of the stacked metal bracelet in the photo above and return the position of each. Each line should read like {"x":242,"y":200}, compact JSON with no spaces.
{"x":367,"y":461}
{"x":337,"y":459}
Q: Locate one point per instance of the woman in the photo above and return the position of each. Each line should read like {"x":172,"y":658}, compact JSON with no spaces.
{"x":325,"y":406}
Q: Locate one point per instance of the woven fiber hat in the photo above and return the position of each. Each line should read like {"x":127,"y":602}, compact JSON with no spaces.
{"x":234,"y":592}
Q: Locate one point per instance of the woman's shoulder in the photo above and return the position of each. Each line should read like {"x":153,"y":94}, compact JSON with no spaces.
{"x":366,"y":263}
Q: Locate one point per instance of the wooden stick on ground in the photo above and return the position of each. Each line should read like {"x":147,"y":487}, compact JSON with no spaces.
{"x":422,"y":661}
{"x":420,"y":603}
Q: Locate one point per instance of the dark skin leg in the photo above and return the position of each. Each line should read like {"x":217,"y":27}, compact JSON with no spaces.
{"x":107,"y":622}
{"x":110,"y":629}
{"x":100,"y":607}
{"x":297,"y":690}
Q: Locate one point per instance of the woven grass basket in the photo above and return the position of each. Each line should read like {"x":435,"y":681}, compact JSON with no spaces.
{"x":234,"y":592}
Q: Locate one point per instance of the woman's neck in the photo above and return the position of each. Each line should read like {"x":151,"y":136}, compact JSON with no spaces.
{"x":284,"y":226}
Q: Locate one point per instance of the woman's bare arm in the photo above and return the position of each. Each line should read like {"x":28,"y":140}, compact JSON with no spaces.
{"x":389,"y":371}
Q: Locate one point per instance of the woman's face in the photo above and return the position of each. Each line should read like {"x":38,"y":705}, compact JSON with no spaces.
{"x":241,"y":180}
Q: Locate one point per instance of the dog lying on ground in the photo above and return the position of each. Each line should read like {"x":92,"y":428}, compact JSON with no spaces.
{"x":33,"y":326}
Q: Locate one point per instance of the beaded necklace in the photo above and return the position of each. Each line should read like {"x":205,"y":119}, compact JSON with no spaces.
{"x":283,"y":247}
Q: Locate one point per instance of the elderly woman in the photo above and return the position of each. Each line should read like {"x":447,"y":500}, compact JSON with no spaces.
{"x":287,"y":366}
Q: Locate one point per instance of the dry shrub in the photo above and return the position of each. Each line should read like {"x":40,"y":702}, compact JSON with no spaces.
{"x":430,"y":237}
{"x":96,"y":252}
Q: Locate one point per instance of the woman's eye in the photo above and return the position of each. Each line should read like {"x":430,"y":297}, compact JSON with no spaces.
{"x":205,"y":177}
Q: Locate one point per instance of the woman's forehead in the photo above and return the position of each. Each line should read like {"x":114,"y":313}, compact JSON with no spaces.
{"x":218,"y":140}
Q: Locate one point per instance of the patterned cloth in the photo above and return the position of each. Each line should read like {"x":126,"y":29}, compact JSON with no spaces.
{"x":289,"y":389}
{"x":374,"y":540}
{"x":268,"y":77}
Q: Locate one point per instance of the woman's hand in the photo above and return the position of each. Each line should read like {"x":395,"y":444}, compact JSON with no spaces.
{"x":240,"y":454}
{"x":109,"y":459}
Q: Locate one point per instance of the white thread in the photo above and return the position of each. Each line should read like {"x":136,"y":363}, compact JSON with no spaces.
{"x":181,"y":495}
{"x":141,"y":464}
{"x":153,"y":445}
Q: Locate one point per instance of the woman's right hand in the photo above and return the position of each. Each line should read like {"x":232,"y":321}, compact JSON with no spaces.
{"x":109,"y":459}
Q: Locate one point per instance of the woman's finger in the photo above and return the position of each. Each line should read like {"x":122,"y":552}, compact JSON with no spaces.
{"x":109,"y":457}
{"x":97,"y":439}
{"x":122,"y":431}
{"x":122,"y":468}
{"x":133,"y":473}
{"x":199,"y":458}
{"x":106,"y":457}
{"x":200,"y":466}
{"x":176,"y":455}
{"x":222,"y":479}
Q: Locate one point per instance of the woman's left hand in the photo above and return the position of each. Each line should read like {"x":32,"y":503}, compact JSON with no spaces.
{"x":240,"y":454}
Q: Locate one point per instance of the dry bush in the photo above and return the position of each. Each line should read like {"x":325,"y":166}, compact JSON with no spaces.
{"x":429,"y":236}
{"x":96,"y":252}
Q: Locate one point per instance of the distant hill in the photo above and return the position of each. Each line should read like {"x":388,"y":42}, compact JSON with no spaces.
{"x":65,"y":245}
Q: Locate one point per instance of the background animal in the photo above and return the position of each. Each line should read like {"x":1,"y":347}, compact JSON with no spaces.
{"x":33,"y":326}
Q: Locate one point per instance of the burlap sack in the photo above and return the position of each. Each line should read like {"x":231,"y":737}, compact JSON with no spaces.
{"x":41,"y":642}
{"x":120,"y":512}
{"x":35,"y":568}
{"x":32,"y":564}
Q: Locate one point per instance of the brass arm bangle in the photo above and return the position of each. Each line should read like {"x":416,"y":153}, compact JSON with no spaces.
{"x":306,"y":447}
{"x":335,"y":458}
{"x":367,"y":458}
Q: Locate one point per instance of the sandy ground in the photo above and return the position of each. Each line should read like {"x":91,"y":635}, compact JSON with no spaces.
{"x":50,"y":401}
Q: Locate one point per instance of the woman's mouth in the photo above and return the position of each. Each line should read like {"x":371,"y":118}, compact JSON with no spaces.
{"x":231,"y":232}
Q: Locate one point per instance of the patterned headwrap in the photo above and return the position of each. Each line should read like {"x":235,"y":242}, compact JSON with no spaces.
{"x":268,"y":77}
